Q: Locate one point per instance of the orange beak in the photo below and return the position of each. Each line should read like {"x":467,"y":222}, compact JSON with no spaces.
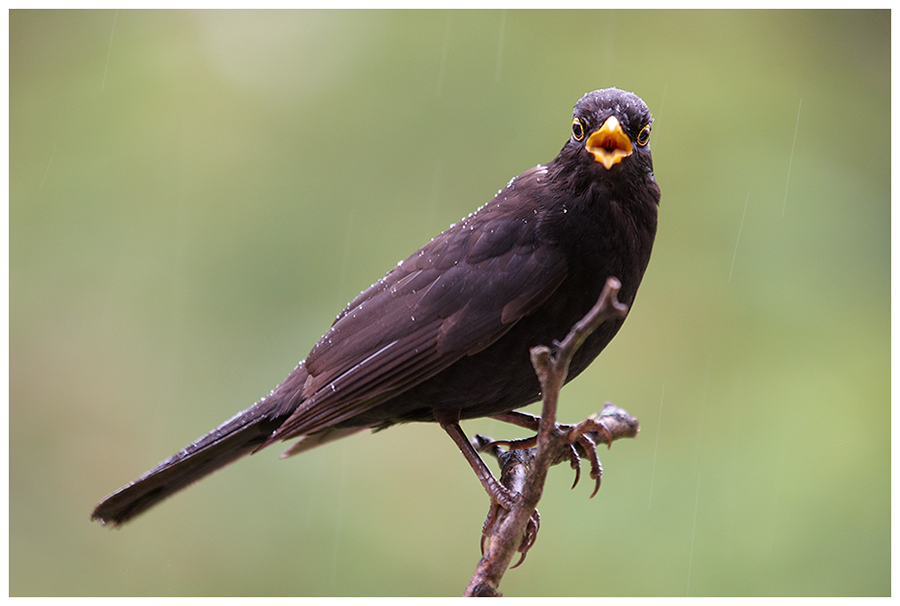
{"x":609,"y":144}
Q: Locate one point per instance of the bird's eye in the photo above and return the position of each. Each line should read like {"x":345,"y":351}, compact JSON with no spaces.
{"x":577,"y":129}
{"x":643,"y":136}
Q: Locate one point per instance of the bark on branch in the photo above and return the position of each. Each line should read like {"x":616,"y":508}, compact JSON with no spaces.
{"x":524,"y":469}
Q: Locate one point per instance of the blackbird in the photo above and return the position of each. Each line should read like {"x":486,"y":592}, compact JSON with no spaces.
{"x":445,"y":335}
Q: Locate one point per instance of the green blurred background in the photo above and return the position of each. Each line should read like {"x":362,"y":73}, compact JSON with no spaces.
{"x":195,"y":195}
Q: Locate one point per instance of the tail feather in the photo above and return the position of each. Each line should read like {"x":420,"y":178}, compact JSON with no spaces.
{"x":238,"y":436}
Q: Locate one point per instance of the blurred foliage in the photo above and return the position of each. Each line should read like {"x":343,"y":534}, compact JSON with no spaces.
{"x":195,"y":195}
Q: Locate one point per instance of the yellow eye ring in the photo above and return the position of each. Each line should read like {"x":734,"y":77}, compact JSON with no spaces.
{"x":577,"y":129}
{"x":643,"y":136}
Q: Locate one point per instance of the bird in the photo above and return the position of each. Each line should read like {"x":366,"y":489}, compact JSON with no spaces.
{"x":445,"y":335}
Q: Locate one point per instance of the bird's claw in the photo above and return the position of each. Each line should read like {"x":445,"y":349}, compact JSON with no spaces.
{"x":582,"y":442}
{"x":494,"y":516}
{"x":584,"y":436}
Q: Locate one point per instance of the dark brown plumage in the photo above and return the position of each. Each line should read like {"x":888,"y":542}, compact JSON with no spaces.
{"x":445,"y":334}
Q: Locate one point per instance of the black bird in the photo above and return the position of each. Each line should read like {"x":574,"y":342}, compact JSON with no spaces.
{"x":445,"y":335}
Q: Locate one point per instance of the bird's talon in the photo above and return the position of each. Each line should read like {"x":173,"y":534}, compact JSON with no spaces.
{"x":531,"y":530}
{"x":488,"y":525}
{"x":575,"y":462}
{"x":590,"y":450}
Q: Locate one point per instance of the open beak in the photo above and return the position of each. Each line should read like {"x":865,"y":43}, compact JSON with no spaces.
{"x":609,"y":144}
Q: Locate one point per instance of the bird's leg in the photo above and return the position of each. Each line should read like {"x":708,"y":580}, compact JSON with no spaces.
{"x":500,"y":495}
{"x":522,"y":419}
{"x":495,"y":489}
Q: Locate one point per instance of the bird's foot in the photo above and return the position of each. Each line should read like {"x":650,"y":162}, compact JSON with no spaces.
{"x":503,"y":496}
{"x":506,"y":494}
{"x":582,"y":440}
{"x":500,"y":505}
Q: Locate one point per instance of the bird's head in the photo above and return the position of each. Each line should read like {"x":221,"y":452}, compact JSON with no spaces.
{"x":610,"y":135}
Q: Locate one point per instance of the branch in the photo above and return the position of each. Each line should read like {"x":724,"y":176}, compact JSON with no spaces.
{"x":524,"y":470}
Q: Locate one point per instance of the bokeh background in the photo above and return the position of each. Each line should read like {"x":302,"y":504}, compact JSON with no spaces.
{"x":195,"y":195}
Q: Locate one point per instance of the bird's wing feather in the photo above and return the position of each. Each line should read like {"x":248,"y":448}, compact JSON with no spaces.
{"x":454,"y":297}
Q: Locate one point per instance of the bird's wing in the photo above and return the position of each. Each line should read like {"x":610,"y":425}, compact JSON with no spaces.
{"x":454,"y":297}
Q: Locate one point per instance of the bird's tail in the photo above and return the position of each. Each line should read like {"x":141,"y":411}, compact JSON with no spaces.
{"x":235,"y":438}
